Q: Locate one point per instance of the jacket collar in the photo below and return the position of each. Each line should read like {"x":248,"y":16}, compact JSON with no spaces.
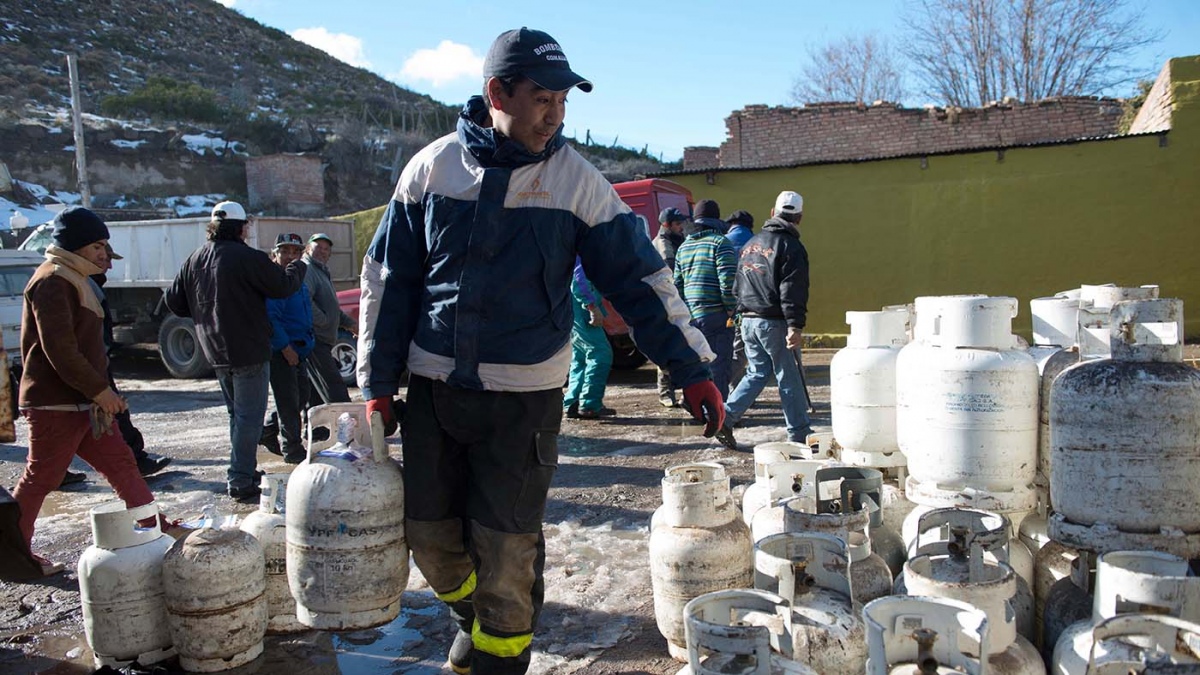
{"x":703,"y":225}
{"x":78,"y":271}
{"x":492,"y":148}
{"x":781,"y":225}
{"x":76,"y":263}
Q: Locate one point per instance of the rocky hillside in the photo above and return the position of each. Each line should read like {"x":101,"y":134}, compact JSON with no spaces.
{"x":121,"y":44}
{"x":179,"y":93}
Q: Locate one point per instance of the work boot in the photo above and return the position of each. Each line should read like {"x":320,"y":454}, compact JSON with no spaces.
{"x":294,"y":455}
{"x":602,"y":411}
{"x":246,"y":495}
{"x":572,"y":411}
{"x":667,"y":401}
{"x":71,"y":478}
{"x":459,"y":658}
{"x":270,"y":439}
{"x":725,"y":437}
{"x":152,"y":464}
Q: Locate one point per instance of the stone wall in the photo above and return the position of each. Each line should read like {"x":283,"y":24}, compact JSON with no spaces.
{"x":762,"y":136}
{"x":1155,"y":113}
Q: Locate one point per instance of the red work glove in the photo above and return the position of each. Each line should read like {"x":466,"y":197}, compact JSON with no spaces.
{"x":704,"y":402}
{"x":383,"y":406}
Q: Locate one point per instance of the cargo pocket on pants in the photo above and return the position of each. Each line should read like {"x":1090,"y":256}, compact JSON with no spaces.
{"x":531,"y":503}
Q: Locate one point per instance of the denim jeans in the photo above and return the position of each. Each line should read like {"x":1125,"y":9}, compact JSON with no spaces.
{"x":716,"y":329}
{"x":766,"y":352}
{"x":245,"y":390}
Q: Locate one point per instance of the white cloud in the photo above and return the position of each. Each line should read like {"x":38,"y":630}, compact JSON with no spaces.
{"x":446,"y":63}
{"x":341,"y":46}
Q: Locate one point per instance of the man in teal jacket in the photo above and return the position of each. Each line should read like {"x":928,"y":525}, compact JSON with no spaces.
{"x":591,"y":354}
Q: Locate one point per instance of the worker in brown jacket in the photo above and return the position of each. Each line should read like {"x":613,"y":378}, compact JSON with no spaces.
{"x":65,"y":395}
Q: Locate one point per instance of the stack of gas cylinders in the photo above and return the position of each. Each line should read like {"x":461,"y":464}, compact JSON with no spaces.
{"x":984,"y":505}
{"x":325,"y":550}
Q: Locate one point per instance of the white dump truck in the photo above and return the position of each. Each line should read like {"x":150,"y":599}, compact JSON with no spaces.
{"x":154,"y":250}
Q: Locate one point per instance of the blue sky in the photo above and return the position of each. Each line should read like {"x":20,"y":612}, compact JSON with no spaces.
{"x":667,"y":72}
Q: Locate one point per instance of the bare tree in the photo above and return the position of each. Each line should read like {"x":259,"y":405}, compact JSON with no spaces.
{"x":856,"y":68}
{"x":972,"y":52}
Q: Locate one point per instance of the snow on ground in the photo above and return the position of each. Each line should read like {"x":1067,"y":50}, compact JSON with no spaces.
{"x":121,"y":143}
{"x":46,"y":208}
{"x":203,"y":143}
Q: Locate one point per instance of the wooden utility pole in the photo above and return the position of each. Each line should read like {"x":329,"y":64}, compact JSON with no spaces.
{"x":77,"y":114}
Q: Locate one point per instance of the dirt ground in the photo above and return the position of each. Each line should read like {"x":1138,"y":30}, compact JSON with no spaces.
{"x":599,"y":612}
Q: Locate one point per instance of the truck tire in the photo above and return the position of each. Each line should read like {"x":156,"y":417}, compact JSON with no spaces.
{"x":345,"y":354}
{"x":179,"y":350}
{"x":625,"y":354}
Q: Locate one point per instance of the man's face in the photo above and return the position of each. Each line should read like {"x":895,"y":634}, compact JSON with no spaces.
{"x":320,"y":250}
{"x":95,"y":253}
{"x":531,"y":116}
{"x":675,"y":226}
{"x":286,"y":254}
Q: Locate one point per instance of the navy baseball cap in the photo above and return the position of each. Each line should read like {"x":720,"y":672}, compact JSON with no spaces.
{"x":671,"y":215}
{"x":535,"y":55}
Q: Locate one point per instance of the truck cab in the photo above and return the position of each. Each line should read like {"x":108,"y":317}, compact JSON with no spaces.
{"x":647,"y":198}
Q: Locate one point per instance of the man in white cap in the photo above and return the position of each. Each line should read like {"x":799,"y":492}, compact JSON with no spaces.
{"x":223,"y":287}
{"x":467,"y":286}
{"x":772,"y":297}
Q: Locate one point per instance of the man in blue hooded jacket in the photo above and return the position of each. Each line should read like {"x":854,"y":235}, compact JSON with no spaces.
{"x":467,"y":285}
{"x":292,"y":340}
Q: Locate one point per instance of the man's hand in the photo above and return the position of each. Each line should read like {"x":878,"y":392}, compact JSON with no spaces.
{"x":383,"y":406}
{"x":793,"y":337}
{"x":110,"y":402}
{"x":704,"y":402}
{"x":595,"y":319}
{"x":290,"y":355}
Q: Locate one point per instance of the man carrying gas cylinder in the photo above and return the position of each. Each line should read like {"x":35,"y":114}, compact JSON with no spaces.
{"x":467,"y":285}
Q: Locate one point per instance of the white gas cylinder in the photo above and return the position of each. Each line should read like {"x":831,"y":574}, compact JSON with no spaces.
{"x":870,"y":577}
{"x":813,"y":571}
{"x":957,"y":533}
{"x":1128,"y":582}
{"x":907,"y":634}
{"x":861,"y":487}
{"x":990,"y":586}
{"x":269,"y":527}
{"x":1055,"y":319}
{"x":966,"y":406}
{"x":862,"y":388}
{"x":347,"y":558}
{"x":1095,"y":305}
{"x":1144,"y":643}
{"x":1125,"y":439}
{"x":763,"y":501}
{"x":1051,"y":564}
{"x":698,"y":544}
{"x":1035,"y":527}
{"x":121,"y":587}
{"x":742,"y":631}
{"x":1019,"y":556}
{"x":216,"y":582}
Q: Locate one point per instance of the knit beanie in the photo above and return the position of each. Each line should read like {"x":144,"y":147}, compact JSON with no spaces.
{"x":77,"y":227}
{"x":742,"y":218}
{"x":707,"y":208}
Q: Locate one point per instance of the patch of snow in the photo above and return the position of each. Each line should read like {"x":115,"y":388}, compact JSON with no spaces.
{"x":36,"y":214}
{"x":68,"y":148}
{"x":121,"y":143}
{"x":54,"y":130}
{"x":203,"y":143}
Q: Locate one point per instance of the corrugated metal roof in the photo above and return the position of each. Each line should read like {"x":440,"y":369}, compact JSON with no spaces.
{"x":878,"y":158}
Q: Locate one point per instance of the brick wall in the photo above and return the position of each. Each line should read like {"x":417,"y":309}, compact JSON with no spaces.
{"x":701,"y":157}
{"x":759,"y":135}
{"x":1155,"y":113}
{"x":285,"y":184}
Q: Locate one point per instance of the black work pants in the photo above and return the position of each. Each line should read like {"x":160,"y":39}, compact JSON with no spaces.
{"x":326,"y":379}
{"x":289,"y":386}
{"x":477,"y":471}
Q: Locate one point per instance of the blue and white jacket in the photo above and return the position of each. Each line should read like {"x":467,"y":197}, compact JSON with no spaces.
{"x":468,"y":278}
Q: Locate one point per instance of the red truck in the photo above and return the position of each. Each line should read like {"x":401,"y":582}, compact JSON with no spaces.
{"x":646,"y":197}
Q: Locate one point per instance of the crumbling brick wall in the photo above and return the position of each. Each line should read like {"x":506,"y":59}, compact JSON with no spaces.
{"x":285,"y":184}
{"x":759,"y":135}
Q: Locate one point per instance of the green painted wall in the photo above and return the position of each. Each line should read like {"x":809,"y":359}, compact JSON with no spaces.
{"x":1027,"y":223}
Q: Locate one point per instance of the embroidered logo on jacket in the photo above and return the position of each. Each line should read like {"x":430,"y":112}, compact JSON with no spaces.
{"x":534,"y":191}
